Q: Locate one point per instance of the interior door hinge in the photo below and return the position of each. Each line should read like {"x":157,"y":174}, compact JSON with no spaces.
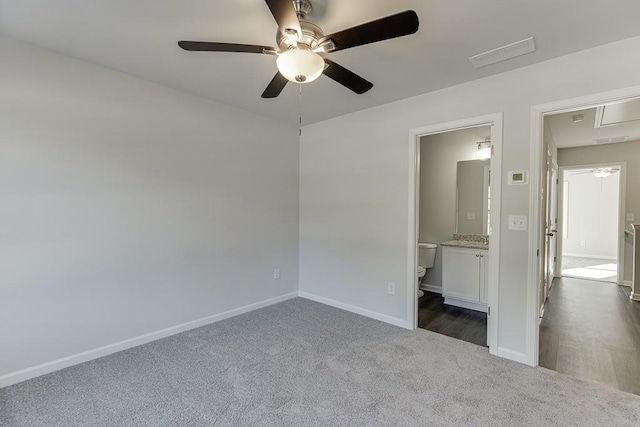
{"x":488,"y":311}
{"x":538,"y":252}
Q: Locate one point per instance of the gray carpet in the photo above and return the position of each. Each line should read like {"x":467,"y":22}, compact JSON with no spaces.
{"x":300,"y":363}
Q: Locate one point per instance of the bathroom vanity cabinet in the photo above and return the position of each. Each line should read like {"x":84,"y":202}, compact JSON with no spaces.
{"x":465,"y":277}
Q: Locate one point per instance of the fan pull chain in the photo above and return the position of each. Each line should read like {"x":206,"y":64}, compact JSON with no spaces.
{"x":300,"y":117}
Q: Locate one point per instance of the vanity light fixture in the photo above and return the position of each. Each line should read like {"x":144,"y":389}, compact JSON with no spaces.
{"x":483,"y":151}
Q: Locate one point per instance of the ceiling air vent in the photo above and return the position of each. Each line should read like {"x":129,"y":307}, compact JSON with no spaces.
{"x":503,"y":53}
{"x":613,"y":140}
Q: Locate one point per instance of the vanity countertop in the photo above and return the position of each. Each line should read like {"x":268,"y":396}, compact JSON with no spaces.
{"x":466,"y":244}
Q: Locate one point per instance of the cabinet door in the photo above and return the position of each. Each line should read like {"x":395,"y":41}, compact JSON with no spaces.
{"x":461,"y":274}
{"x":484,"y":275}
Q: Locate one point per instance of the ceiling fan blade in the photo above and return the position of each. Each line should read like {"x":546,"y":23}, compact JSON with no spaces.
{"x":401,"y":24}
{"x":346,"y":78}
{"x":275,"y":87}
{"x":285,"y":15}
{"x":225,"y":47}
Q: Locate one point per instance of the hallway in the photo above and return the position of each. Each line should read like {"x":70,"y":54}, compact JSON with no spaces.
{"x":591,"y":330}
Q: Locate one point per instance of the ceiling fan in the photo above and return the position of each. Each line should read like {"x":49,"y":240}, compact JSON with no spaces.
{"x":599,"y":172}
{"x":301,"y":44}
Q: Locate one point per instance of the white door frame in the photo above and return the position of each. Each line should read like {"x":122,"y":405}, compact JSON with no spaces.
{"x":622,"y":208}
{"x":495,"y":121}
{"x":536,"y":156}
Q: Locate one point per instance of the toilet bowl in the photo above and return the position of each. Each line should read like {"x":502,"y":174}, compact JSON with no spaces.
{"x":426,"y":260}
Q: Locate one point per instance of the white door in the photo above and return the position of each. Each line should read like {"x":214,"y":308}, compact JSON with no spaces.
{"x":551,"y":229}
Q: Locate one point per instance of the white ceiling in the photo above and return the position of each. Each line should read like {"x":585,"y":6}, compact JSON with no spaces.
{"x":139,"y":37}
{"x":567,"y":134}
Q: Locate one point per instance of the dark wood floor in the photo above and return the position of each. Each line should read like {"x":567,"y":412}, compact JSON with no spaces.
{"x":591,"y":330}
{"x":467,"y":325}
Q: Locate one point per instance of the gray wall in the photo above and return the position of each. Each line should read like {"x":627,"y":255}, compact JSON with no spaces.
{"x":439,"y":156}
{"x":128,"y":207}
{"x":354,"y":174}
{"x":628,"y":152}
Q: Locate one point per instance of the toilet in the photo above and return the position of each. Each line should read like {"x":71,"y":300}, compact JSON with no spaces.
{"x":426,"y":259}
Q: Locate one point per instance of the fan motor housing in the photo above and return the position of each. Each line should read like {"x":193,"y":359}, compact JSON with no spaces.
{"x":311,"y":34}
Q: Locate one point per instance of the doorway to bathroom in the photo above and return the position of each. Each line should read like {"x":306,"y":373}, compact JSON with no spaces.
{"x":454,"y":234}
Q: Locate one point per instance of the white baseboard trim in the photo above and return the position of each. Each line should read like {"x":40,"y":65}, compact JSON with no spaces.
{"x":635,"y":296}
{"x":65,"y":362}
{"x":357,"y":310}
{"x":516,"y":356}
{"x":431,"y":288}
{"x":628,"y":283}
{"x":591,"y":256}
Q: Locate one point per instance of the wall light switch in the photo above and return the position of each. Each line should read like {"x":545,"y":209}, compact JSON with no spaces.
{"x":276,"y":273}
{"x":631,"y":217}
{"x":391,"y":288}
{"x":518,"y":222}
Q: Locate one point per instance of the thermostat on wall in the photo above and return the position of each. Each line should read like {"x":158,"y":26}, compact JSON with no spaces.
{"x":518,"y":177}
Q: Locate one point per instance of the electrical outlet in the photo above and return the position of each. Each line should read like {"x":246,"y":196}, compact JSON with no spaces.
{"x":391,"y":288}
{"x":276,"y":273}
{"x":631,"y":217}
{"x":583,"y":243}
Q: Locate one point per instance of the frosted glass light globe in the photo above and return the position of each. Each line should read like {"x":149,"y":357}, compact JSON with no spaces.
{"x":300,"y":65}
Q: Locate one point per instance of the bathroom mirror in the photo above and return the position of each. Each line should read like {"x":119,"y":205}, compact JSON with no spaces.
{"x":473,"y":197}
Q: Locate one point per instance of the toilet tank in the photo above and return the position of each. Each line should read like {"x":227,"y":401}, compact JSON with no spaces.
{"x":426,"y":254}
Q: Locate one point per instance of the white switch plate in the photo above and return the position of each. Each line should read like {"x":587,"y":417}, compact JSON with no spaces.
{"x":276,"y":273}
{"x":518,"y":222}
{"x":471,"y":216}
{"x":631,"y":217}
{"x":391,"y":288}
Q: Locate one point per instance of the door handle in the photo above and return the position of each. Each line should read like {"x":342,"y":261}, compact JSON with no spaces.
{"x":550,"y":234}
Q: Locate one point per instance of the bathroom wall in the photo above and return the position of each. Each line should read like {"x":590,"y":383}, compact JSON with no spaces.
{"x":439,"y":157}
{"x":628,"y":152}
{"x":592,"y":215}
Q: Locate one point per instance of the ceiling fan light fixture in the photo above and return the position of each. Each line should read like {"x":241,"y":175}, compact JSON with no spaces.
{"x":601,"y":172}
{"x":300,"y":65}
